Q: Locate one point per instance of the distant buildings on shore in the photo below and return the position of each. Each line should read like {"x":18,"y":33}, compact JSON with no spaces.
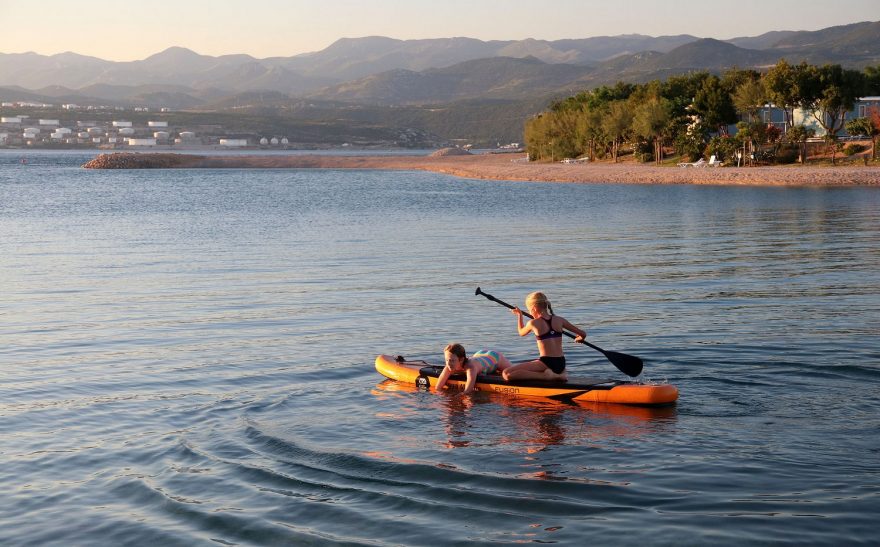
{"x":23,"y":130}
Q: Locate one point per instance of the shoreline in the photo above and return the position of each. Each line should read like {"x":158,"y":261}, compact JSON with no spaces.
{"x":513,"y":167}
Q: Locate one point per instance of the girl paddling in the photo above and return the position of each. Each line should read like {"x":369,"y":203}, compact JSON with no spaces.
{"x":547,"y":329}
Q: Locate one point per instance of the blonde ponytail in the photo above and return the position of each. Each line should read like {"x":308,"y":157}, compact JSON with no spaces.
{"x":539,"y":300}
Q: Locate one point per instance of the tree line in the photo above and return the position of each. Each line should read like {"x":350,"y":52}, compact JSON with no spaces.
{"x":691,"y":114}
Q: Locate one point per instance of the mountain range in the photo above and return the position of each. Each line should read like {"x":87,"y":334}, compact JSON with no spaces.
{"x":453,"y":88}
{"x":379,"y":70}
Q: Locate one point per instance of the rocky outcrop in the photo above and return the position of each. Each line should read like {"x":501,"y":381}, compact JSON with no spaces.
{"x":129,"y":160}
{"x":450,"y":152}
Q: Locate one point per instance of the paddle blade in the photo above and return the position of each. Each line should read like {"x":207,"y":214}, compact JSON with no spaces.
{"x":627,"y":364}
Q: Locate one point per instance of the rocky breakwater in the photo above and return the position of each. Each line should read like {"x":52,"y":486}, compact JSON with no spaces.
{"x":443,"y":152}
{"x":129,"y":160}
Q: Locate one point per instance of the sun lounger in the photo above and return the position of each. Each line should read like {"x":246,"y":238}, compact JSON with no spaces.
{"x":699,"y":163}
{"x":714,"y":162}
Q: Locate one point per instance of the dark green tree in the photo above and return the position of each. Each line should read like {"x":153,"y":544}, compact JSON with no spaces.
{"x":680,"y":91}
{"x":714,"y":105}
{"x":872,"y":80}
{"x":734,"y":78}
{"x":748,"y":98}
{"x":783,"y":83}
{"x":651,"y":122}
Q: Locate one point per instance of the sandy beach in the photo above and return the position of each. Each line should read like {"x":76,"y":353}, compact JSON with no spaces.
{"x":514,"y":167}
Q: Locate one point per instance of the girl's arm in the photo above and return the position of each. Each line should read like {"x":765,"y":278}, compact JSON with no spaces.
{"x":471,"y":378}
{"x":520,"y":328}
{"x":441,"y":380}
{"x":581,"y":334}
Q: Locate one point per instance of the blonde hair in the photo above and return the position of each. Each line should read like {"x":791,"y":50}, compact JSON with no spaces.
{"x":457,"y":350}
{"x":539,"y":300}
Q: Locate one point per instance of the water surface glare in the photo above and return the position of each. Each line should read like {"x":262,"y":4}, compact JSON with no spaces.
{"x":186,"y":357}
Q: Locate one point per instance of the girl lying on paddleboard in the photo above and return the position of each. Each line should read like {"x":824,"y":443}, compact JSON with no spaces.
{"x":481,"y":362}
{"x":547,"y":329}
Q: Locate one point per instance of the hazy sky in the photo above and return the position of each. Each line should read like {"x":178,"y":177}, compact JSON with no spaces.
{"x":124,"y":31}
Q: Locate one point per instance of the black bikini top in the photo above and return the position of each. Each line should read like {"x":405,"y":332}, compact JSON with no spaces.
{"x":552,"y":333}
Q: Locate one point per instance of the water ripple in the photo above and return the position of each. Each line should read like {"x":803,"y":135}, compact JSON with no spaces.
{"x":187,"y":358}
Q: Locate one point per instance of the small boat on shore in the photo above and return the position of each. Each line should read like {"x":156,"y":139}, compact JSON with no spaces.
{"x":600,"y":390}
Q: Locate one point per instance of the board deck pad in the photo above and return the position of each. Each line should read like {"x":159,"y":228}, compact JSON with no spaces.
{"x":572,"y":383}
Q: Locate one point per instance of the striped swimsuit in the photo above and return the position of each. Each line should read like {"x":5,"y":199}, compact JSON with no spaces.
{"x":487,"y":360}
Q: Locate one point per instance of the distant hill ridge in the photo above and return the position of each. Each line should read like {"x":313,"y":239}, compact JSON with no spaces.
{"x":381,"y":70}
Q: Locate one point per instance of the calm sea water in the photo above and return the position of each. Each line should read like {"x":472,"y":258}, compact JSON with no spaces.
{"x":186,"y":357}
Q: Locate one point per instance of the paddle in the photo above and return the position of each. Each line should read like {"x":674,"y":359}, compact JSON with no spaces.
{"x":627,"y":364}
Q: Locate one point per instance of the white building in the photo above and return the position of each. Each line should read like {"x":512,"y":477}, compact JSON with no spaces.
{"x":274,"y":141}
{"x":142,"y":142}
{"x":70,"y":106}
{"x":126,"y":131}
{"x":50,"y":122}
{"x":10,"y":119}
{"x":157,"y":124}
{"x":233,"y":142}
{"x":161,"y":135}
{"x":187,"y":135}
{"x":120,"y":123}
{"x":264,"y":141}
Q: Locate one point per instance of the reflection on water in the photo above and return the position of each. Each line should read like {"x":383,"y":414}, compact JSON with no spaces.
{"x":521,"y":425}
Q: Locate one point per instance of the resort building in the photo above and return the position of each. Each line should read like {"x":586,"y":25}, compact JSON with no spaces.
{"x":865,"y":105}
{"x":773,"y":115}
